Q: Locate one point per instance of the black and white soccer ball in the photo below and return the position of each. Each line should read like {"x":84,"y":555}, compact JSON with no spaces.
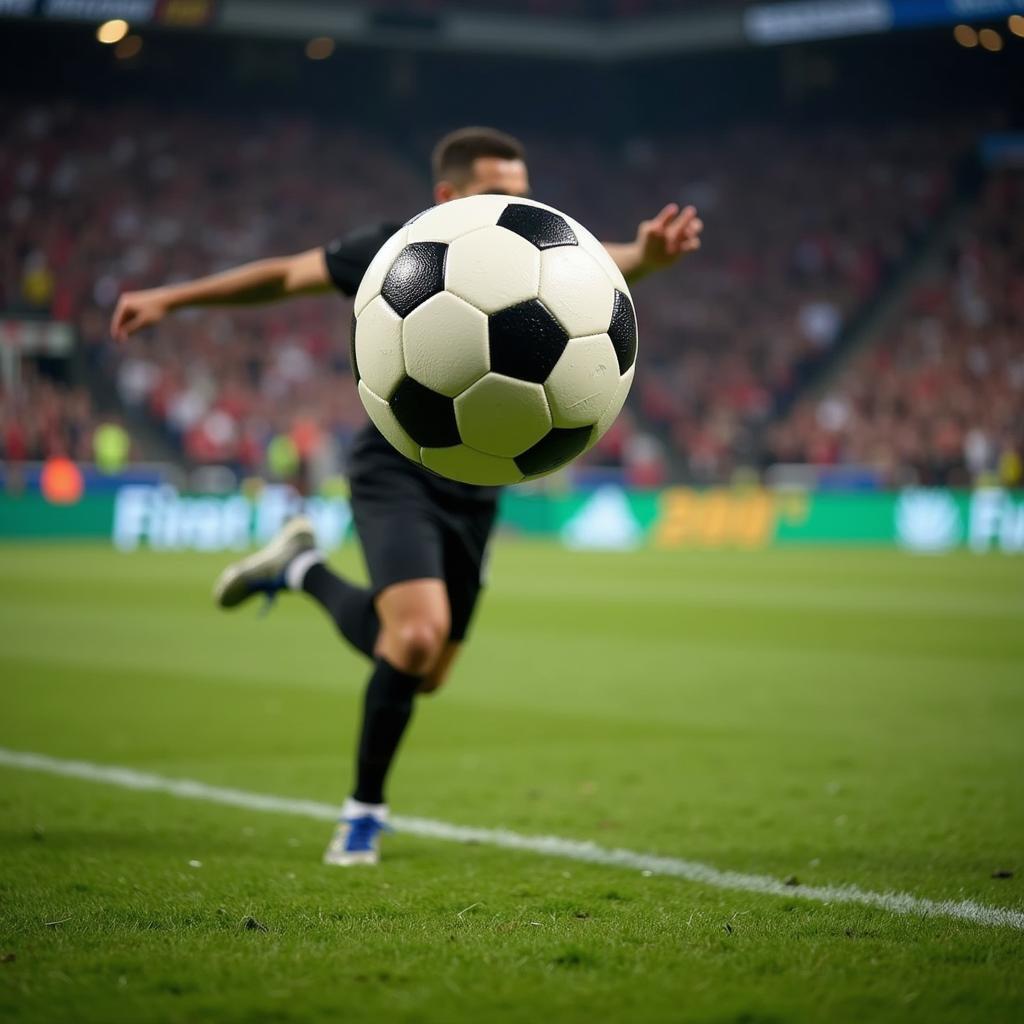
{"x":493,"y":339}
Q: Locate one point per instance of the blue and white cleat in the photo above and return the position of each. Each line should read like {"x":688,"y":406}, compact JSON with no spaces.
{"x":263,"y":572}
{"x":356,"y":839}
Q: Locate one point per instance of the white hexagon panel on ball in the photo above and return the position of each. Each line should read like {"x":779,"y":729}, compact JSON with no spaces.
{"x":448,"y":221}
{"x":492,"y":268}
{"x":576,"y":290}
{"x":502,"y":416}
{"x":583,"y":381}
{"x":378,"y":348}
{"x":445,"y":344}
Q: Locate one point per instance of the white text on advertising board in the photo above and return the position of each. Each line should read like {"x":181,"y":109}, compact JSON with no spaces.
{"x":162,"y":519}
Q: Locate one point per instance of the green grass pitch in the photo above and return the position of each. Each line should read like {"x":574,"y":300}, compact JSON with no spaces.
{"x":835,"y":717}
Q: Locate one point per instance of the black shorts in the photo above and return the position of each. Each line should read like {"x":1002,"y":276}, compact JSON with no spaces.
{"x":412,"y":529}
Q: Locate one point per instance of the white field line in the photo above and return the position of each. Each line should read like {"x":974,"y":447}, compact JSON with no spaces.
{"x":551,"y":846}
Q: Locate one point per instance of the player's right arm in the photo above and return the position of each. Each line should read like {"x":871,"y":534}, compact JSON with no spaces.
{"x":270,"y":280}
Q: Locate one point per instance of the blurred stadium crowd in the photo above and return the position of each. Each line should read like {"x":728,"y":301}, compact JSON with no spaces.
{"x":939,"y":399}
{"x":803,"y":229}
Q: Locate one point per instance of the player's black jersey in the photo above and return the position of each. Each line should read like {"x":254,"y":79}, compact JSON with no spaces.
{"x":346,"y":259}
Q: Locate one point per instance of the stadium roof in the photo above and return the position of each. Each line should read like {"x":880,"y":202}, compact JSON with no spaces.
{"x":596,"y":30}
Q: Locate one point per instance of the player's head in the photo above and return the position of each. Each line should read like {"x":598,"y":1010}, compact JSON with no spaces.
{"x":478,"y":161}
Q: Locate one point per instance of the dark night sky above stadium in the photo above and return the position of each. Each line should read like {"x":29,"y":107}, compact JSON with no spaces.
{"x":871,"y":77}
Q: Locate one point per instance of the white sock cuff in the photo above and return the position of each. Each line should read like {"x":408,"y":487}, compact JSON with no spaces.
{"x":296,"y":570}
{"x":357,"y":809}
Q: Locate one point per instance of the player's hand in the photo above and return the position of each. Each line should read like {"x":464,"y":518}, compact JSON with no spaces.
{"x":673,"y":233}
{"x":136,"y":310}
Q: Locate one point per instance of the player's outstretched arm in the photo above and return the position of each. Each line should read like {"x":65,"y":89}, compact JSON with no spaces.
{"x":659,"y":242}
{"x":263,"y":281}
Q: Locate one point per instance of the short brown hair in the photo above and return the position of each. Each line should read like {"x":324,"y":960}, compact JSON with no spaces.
{"x":453,"y":156}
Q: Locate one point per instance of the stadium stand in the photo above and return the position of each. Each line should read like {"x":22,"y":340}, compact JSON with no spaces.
{"x":939,"y":397}
{"x":802,"y":228}
{"x":44,"y":418}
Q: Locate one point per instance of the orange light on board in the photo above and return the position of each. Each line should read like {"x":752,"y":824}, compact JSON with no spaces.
{"x":61,"y":481}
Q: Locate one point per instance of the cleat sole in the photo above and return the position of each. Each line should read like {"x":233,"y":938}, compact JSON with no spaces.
{"x":232,"y":586}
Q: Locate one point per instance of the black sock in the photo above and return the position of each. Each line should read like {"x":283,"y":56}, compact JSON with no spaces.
{"x":350,"y":607}
{"x":387,"y":709}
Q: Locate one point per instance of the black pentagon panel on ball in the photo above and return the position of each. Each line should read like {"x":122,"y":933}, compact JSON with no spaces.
{"x":427,"y":417}
{"x":544,"y":228}
{"x":352,"y":350}
{"x":558,"y":446}
{"x":622,"y":331}
{"x":416,"y":275}
{"x":525,"y":341}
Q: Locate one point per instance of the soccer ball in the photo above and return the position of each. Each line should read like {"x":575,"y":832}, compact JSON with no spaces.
{"x":493,"y":339}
